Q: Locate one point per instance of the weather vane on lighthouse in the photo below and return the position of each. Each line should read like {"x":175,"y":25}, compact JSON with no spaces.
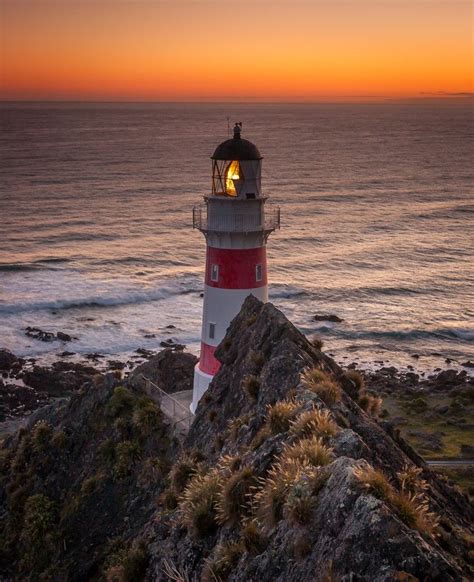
{"x":236,"y":226}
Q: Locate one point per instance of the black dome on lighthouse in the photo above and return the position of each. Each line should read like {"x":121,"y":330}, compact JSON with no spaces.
{"x":237,"y":148}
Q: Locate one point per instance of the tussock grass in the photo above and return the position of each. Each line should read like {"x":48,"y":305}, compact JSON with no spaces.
{"x":411,"y":508}
{"x":235,"y":424}
{"x":280,"y":415}
{"x":357,"y":379}
{"x":233,"y":500}
{"x":311,"y":451}
{"x":182,"y":472}
{"x":199,"y":504}
{"x":253,"y":538}
{"x":321,"y":384}
{"x":223,"y":561}
{"x":271,"y":494}
{"x":314,"y":422}
{"x":251,"y":387}
{"x":371,"y":404}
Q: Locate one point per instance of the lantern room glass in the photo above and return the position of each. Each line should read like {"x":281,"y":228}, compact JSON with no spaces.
{"x":225,"y":175}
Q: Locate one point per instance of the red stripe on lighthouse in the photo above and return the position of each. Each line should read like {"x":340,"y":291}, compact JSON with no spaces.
{"x":207,"y":361}
{"x":236,"y":268}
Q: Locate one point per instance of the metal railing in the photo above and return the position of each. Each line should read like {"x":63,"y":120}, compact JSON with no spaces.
{"x":170,"y":406}
{"x":236,"y":222}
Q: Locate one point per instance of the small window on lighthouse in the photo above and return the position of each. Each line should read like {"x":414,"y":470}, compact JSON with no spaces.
{"x":212,"y":330}
{"x":214,"y":272}
{"x":258,"y":272}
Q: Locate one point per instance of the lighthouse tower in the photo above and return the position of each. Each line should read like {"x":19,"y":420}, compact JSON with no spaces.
{"x":236,"y":225}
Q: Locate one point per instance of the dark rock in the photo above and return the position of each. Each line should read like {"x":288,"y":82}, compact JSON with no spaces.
{"x":39,"y":334}
{"x":149,"y":335}
{"x":116,"y":365}
{"x":144,"y":353}
{"x":172,"y":344}
{"x":94,"y":356}
{"x":172,"y":371}
{"x":170,"y":326}
{"x":66,"y":354}
{"x":8,"y":360}
{"x":64,"y":337}
{"x":328,"y":317}
{"x":468,"y":364}
{"x":416,"y":356}
{"x":63,"y":378}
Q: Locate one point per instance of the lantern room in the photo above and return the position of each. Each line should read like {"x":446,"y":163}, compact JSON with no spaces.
{"x":237,"y":168}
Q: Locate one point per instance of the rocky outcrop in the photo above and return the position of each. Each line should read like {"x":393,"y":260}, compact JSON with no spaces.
{"x":79,"y":482}
{"x":349,"y":529}
{"x":172,"y":370}
{"x":287,"y":474}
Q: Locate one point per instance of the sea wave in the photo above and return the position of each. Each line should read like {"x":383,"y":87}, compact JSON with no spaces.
{"x":446,"y":333}
{"x":126,"y":297}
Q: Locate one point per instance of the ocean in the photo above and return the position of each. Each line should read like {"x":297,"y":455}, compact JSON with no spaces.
{"x":377,"y":224}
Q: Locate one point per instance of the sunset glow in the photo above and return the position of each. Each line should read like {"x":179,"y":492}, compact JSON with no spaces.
{"x":210,"y":50}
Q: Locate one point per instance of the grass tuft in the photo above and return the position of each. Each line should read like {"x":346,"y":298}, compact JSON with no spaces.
{"x":315,"y":422}
{"x":311,"y":451}
{"x":253,"y":538}
{"x":223,"y":561}
{"x":280,"y":415}
{"x":199,"y":504}
{"x":321,"y":384}
{"x":251,"y":387}
{"x":233,"y":501}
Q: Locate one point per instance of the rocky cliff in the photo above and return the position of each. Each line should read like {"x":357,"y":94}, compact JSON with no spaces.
{"x":287,"y":474}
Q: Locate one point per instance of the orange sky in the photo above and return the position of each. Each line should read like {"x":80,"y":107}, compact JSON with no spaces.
{"x":240,"y":49}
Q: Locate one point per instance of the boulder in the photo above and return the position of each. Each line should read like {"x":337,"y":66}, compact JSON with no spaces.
{"x":328,"y":317}
{"x":171,"y":370}
{"x":8,"y":360}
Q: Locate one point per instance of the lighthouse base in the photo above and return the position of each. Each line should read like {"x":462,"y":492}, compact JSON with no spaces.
{"x":201,"y":384}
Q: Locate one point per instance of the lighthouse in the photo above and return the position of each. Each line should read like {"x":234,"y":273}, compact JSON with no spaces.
{"x":236,"y":223}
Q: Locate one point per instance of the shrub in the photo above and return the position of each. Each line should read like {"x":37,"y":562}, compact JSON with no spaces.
{"x":233,"y":500}
{"x":127,"y":453}
{"x":147,"y":417}
{"x":251,"y":386}
{"x":311,"y":451}
{"x":182,"y":472}
{"x":42,"y":433}
{"x":59,"y":440}
{"x":319,"y":382}
{"x":39,"y":533}
{"x":222,"y":563}
{"x":280,"y":415}
{"x":128,"y":565}
{"x":315,"y":422}
{"x":253,"y":538}
{"x":121,"y":402}
{"x":199,"y":504}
